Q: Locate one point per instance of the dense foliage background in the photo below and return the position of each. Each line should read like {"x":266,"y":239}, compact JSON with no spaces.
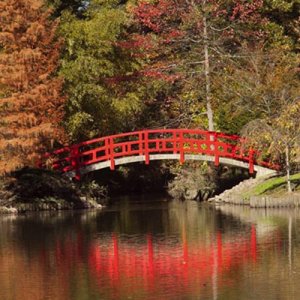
{"x":76,"y":69}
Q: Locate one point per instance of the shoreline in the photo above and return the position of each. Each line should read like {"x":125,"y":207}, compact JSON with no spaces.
{"x":261,"y":192}
{"x":291,"y":200}
{"x":38,"y":190}
{"x":257,"y":202}
{"x":41,"y":206}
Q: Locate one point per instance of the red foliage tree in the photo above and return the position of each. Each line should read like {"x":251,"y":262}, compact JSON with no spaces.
{"x":31,"y":106}
{"x":185,"y":43}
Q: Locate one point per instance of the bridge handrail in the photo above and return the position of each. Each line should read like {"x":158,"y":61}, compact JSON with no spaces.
{"x":217,"y":144}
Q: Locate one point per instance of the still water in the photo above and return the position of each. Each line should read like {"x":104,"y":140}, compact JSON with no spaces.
{"x":154,"y":249}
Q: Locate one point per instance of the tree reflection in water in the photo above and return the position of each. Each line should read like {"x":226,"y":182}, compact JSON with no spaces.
{"x":189,"y":252}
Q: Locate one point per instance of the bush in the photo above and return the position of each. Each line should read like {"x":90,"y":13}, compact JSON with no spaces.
{"x":193,"y":182}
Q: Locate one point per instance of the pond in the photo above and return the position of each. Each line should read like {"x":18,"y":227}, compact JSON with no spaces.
{"x":151,"y":248}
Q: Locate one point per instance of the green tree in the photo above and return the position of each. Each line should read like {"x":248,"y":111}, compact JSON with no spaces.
{"x":284,"y":23}
{"x":94,"y":69}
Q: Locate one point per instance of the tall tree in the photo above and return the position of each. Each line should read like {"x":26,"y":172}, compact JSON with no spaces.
{"x":278,"y":137}
{"x":95,"y":69}
{"x":260,"y":84}
{"x":31,"y":106}
{"x":185,"y":42}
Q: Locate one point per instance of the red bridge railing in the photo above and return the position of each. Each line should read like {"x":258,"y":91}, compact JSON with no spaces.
{"x":148,"y":142}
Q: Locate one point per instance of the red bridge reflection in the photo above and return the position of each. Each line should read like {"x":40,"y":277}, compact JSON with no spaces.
{"x":121,"y":266}
{"x":155,"y":265}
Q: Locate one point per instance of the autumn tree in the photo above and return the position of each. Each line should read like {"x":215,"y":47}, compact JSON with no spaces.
{"x":278,"y":137}
{"x":185,"y":43}
{"x":31,"y":106}
{"x":262,"y":77}
{"x":260,"y":84}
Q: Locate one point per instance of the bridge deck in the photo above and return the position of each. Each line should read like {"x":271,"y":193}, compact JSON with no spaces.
{"x":147,"y":145}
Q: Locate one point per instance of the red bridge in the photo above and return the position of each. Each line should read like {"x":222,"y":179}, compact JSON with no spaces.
{"x":146,"y":145}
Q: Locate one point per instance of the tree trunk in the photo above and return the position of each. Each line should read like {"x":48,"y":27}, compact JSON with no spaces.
{"x":207,"y":74}
{"x":287,"y":165}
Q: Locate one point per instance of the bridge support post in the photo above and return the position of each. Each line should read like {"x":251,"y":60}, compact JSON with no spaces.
{"x":217,"y":160}
{"x":75,"y":161}
{"x":111,"y":153}
{"x":146,"y":147}
{"x":181,"y":148}
{"x":251,"y":161}
{"x":214,"y":148}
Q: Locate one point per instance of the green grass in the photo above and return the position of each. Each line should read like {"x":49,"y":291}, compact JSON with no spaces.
{"x":275,"y":185}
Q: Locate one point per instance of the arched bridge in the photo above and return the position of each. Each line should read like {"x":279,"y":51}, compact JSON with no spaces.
{"x":147,"y":145}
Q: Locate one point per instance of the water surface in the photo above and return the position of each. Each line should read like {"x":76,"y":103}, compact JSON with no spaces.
{"x":155,"y":249}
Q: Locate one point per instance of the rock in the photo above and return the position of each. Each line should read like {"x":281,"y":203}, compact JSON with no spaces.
{"x":287,"y":200}
{"x":234,"y":195}
{"x":8,"y":210}
{"x":191,"y":194}
{"x":35,"y":189}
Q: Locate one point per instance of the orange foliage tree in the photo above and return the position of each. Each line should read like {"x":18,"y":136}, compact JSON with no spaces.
{"x":31,"y":105}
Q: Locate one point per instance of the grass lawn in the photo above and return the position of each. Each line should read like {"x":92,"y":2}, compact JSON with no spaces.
{"x":276,"y":185}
